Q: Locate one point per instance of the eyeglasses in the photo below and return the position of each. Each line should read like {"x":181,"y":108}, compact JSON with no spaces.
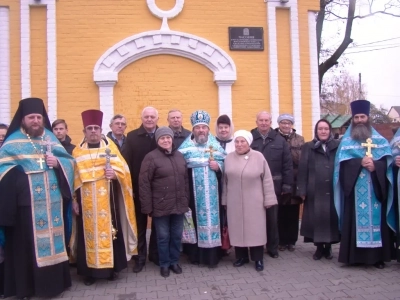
{"x":91,"y":128}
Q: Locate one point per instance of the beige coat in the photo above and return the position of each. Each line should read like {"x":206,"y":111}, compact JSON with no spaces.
{"x":247,"y":189}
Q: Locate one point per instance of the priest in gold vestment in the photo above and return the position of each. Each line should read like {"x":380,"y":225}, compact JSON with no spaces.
{"x":105,"y":214}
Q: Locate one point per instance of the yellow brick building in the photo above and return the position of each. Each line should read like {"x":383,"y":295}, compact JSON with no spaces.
{"x":122,"y":55}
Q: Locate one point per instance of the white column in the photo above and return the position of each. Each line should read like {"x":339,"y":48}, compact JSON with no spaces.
{"x":5,"y":86}
{"x":225,"y":97}
{"x":312,"y":37}
{"x":106,"y":95}
{"x":273,"y":62}
{"x":25,"y":50}
{"x":51,"y":60}
{"x":296,"y":81}
{"x":51,"y":53}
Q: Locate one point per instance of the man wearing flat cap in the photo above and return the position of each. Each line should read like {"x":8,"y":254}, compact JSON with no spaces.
{"x":363,"y":192}
{"x":106,"y":223}
{"x":205,"y":159}
{"x":36,"y":176}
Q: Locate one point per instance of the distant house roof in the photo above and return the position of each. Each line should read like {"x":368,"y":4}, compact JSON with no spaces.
{"x":337,"y":121}
{"x":396,"y":108}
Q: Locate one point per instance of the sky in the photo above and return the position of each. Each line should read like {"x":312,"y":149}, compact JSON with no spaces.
{"x":375,"y":54}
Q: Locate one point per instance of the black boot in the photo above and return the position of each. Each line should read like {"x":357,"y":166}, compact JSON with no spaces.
{"x":328,"y":251}
{"x":138,"y":267}
{"x":176,"y":269}
{"x":89,"y":280}
{"x":259,"y":265}
{"x":164,"y":272}
{"x":240,"y":262}
{"x":319,"y":252}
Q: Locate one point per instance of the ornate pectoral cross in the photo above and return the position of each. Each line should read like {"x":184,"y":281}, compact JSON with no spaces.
{"x":211,"y":150}
{"x":40,"y":161}
{"x":369,"y":147}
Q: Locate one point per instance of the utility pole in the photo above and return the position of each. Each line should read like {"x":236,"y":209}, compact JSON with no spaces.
{"x":359,"y":86}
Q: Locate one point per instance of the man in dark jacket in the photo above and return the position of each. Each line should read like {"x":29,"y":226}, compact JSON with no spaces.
{"x":60,"y":130}
{"x":276,"y":151}
{"x":139,"y":142}
{"x":289,"y":204}
{"x":175,"y":123}
{"x":118,"y":127}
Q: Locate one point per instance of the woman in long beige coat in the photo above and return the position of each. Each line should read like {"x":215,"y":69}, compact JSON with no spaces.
{"x":247,"y":191}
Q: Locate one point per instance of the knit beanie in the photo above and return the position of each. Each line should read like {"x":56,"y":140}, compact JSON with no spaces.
{"x":164,"y":130}
{"x":288,"y":117}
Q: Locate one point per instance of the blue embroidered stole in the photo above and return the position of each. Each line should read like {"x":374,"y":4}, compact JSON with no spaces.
{"x":205,"y":187}
{"x":367,"y":206}
{"x":46,"y":197}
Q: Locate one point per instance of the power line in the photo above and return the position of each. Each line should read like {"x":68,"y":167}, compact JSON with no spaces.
{"x":369,"y":46}
{"x":372,"y":50}
{"x":395,"y":38}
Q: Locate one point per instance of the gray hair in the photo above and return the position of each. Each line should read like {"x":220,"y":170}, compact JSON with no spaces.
{"x":174,"y":110}
{"x":263,"y":112}
{"x":149,"y":107}
{"x":117,"y":116}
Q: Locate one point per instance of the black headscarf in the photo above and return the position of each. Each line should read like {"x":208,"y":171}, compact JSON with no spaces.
{"x":318,"y":142}
{"x":26,"y":107}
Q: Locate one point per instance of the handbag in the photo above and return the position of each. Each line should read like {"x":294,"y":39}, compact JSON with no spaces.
{"x":225,"y":242}
{"x":189,"y":232}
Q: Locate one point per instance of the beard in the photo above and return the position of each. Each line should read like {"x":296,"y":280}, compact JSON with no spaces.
{"x":201,"y":139}
{"x":361,"y":131}
{"x":33,"y":132}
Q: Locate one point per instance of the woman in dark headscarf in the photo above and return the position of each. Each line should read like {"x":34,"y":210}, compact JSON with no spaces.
{"x":319,"y":223}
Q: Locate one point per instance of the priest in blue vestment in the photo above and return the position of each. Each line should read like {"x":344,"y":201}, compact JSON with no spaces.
{"x":205,"y":159}
{"x":395,"y":145}
{"x":36,"y":175}
{"x":363,"y":192}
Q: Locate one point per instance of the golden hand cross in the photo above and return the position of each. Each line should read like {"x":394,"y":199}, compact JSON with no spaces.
{"x":211,"y":150}
{"x":369,"y":147}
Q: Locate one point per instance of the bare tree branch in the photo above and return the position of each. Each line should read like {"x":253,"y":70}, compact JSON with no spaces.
{"x":347,"y":40}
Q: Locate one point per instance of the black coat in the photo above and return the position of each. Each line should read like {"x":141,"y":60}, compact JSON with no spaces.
{"x":110,"y":136}
{"x":319,"y":223}
{"x":178,"y":139}
{"x":137,"y":144}
{"x":67,"y":145}
{"x":164,"y":183}
{"x":277,"y":153}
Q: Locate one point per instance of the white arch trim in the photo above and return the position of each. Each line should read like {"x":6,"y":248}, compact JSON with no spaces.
{"x":157,"y":42}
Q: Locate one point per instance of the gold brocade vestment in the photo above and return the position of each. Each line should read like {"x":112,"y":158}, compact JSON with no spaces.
{"x":96,"y":204}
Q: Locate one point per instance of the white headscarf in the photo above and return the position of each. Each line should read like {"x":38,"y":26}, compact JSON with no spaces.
{"x":245,"y":134}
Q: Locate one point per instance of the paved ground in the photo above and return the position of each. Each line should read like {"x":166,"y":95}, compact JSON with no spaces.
{"x":294,"y":275}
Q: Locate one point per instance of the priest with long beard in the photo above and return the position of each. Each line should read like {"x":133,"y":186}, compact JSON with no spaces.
{"x":34,"y":183}
{"x":106,"y":223}
{"x":363,"y":192}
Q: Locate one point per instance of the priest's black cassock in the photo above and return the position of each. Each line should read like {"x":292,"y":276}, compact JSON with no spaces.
{"x":26,"y":273}
{"x":22,"y":276}
{"x":349,"y":253}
